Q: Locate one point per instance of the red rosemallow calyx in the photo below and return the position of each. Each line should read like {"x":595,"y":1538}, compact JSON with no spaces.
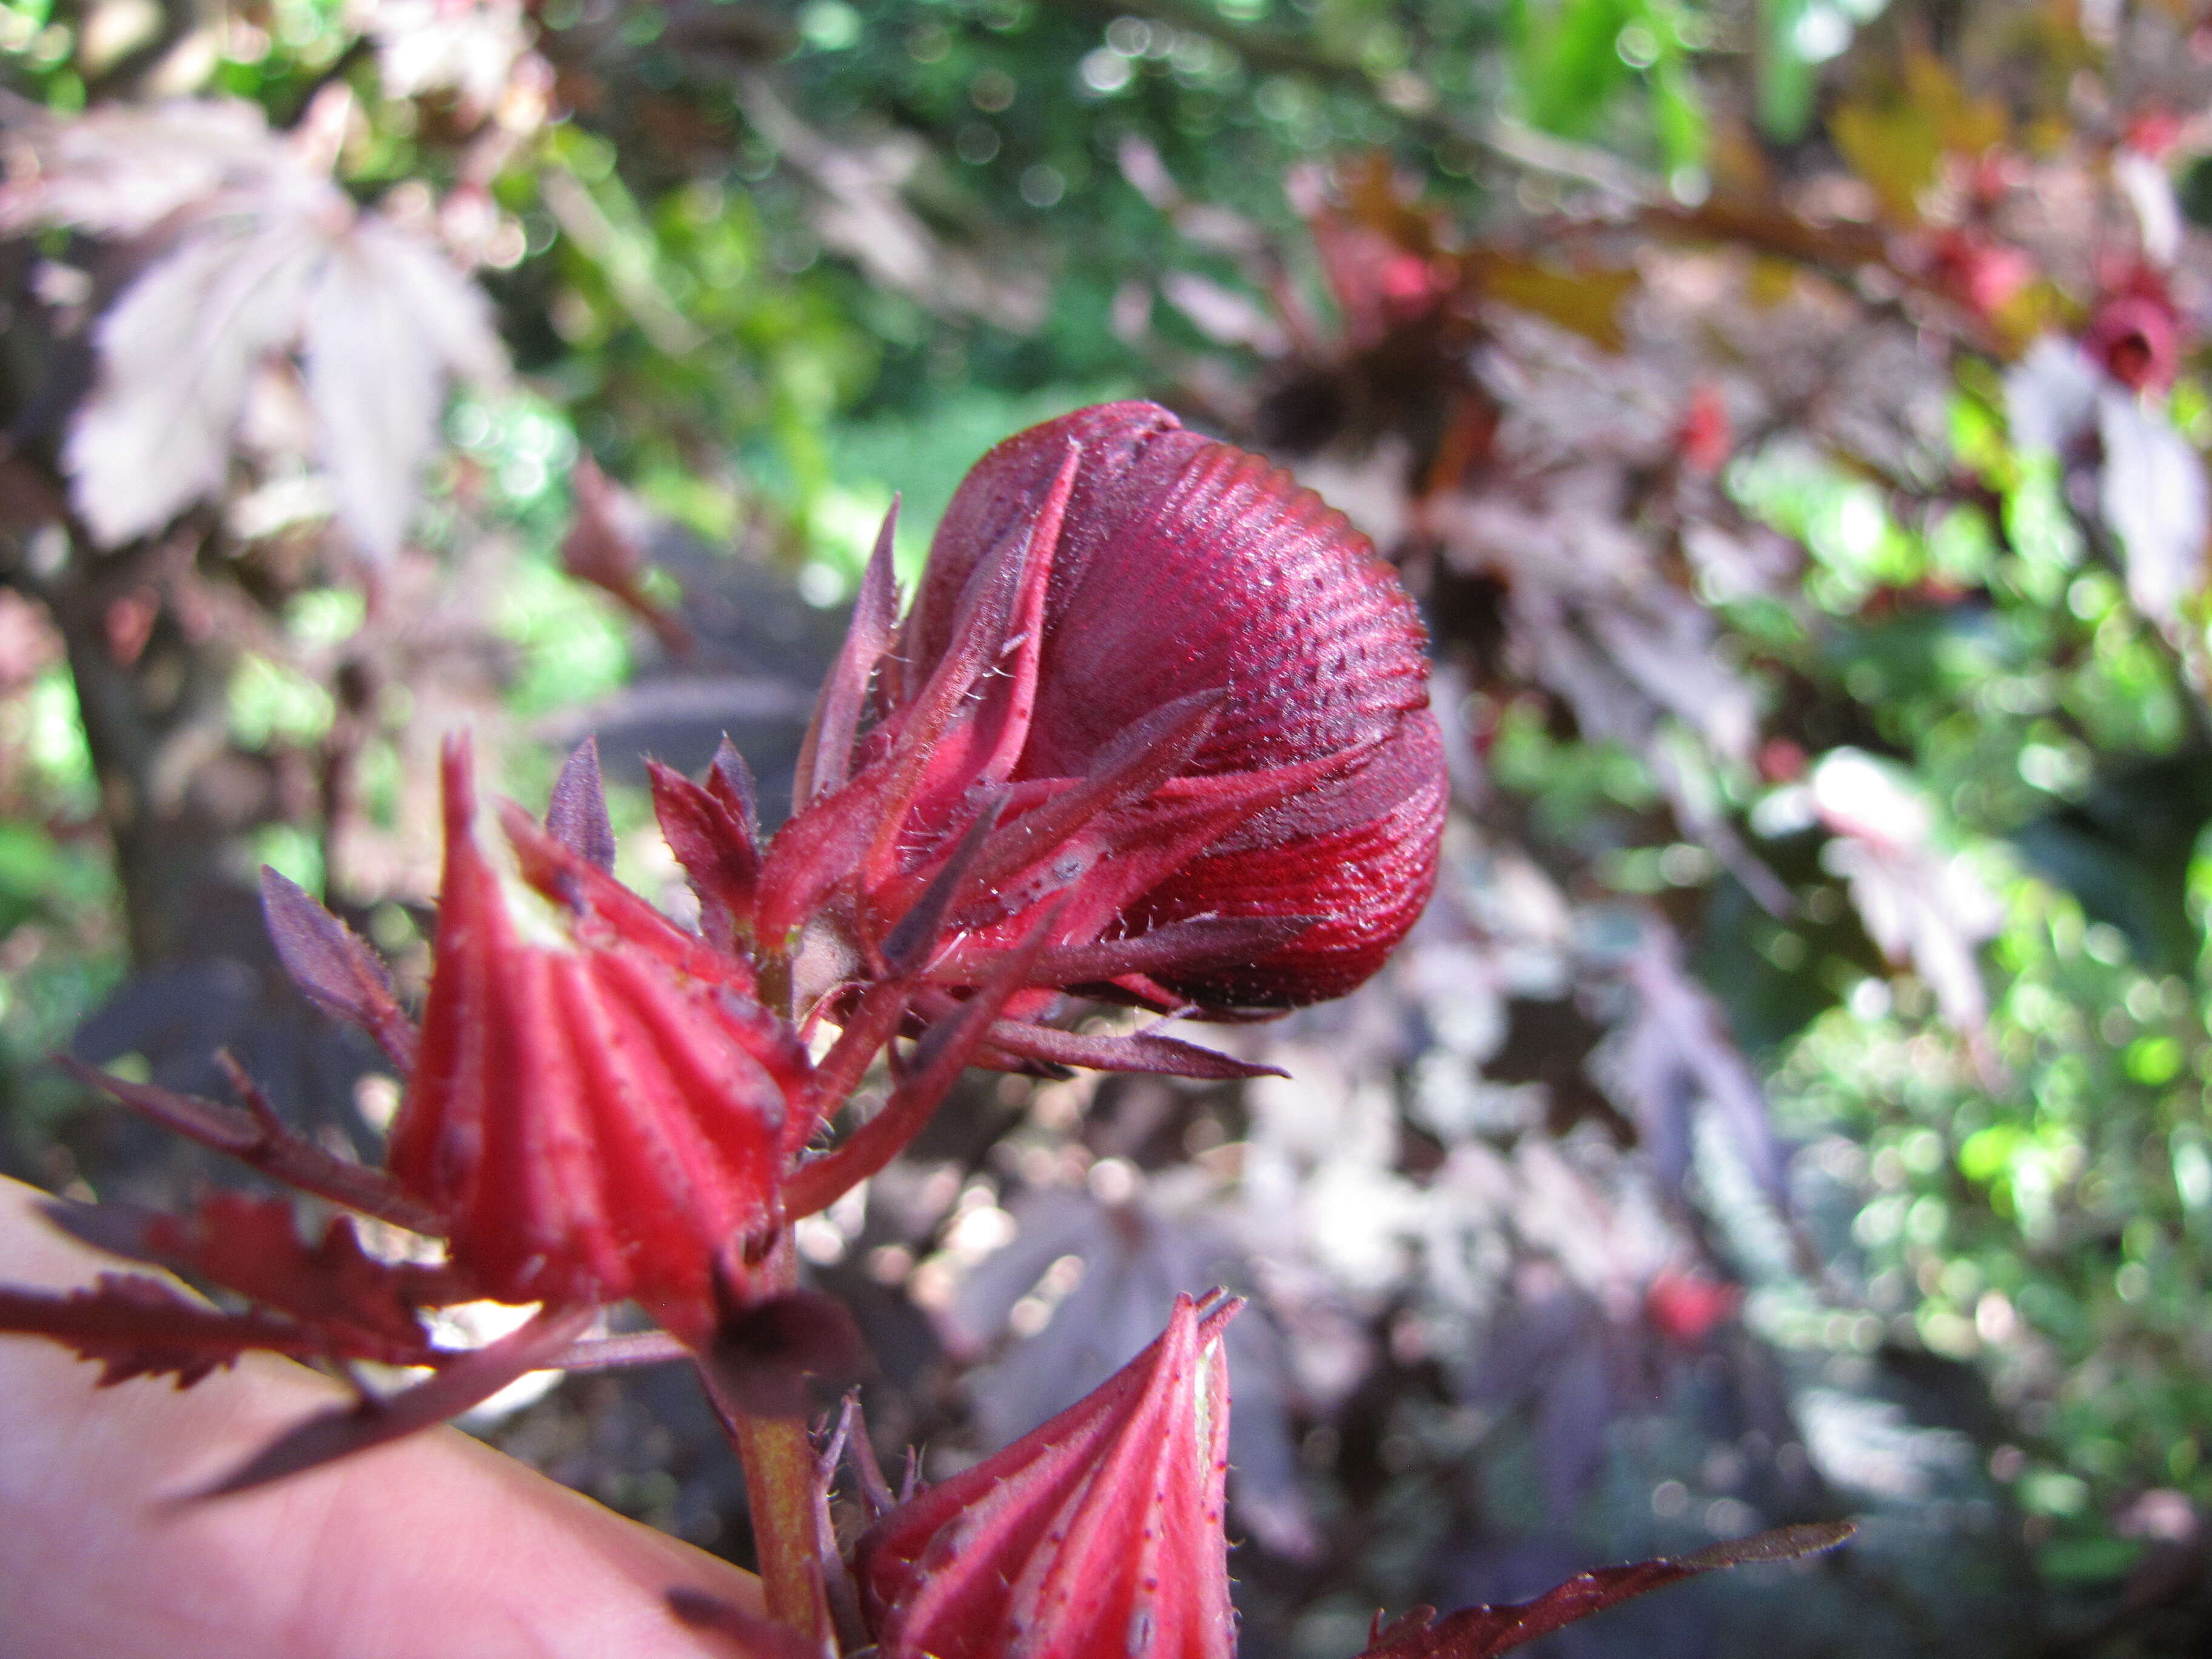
{"x":1146,"y":678}
{"x":601,"y":1120}
{"x":1097,"y":1536}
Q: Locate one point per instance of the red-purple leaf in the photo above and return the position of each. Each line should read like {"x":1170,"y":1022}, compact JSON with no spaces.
{"x":133,"y":1326}
{"x":247,"y":248}
{"x":328,"y":961}
{"x":1479,"y":1632}
{"x":267,"y":1146}
{"x":353,"y":1304}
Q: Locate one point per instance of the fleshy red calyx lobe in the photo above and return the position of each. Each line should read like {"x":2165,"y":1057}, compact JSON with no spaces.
{"x":599,"y":1122}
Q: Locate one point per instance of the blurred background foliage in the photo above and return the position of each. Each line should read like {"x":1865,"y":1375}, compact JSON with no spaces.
{"x":1791,"y":416}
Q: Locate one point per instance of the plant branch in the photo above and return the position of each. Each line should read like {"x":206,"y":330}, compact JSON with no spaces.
{"x":779,"y":1465}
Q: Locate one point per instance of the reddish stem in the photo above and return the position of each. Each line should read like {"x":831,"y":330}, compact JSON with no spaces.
{"x":780,"y":1478}
{"x":778,"y":1462}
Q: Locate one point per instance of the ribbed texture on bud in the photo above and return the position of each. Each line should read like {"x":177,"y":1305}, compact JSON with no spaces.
{"x":594,"y":1122}
{"x":1098,"y":1537}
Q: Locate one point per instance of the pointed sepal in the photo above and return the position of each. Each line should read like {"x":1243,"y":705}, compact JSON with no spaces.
{"x":328,"y":961}
{"x":468,"y":1380}
{"x":576,"y":815}
{"x":714,"y":839}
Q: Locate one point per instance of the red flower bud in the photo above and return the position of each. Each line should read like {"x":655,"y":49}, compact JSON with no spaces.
{"x":596,"y":1122}
{"x":1097,"y":1536}
{"x":1185,"y":566}
{"x":1191,"y":694}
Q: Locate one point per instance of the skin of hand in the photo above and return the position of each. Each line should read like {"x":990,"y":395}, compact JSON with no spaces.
{"x":435,"y":1546}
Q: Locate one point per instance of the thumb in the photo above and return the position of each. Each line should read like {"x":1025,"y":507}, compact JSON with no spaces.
{"x":435,"y":1546}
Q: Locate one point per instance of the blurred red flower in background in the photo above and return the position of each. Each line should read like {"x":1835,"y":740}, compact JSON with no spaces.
{"x":2138,"y":330}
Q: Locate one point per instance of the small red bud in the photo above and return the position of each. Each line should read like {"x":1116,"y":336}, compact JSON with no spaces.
{"x":1097,"y":1536}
